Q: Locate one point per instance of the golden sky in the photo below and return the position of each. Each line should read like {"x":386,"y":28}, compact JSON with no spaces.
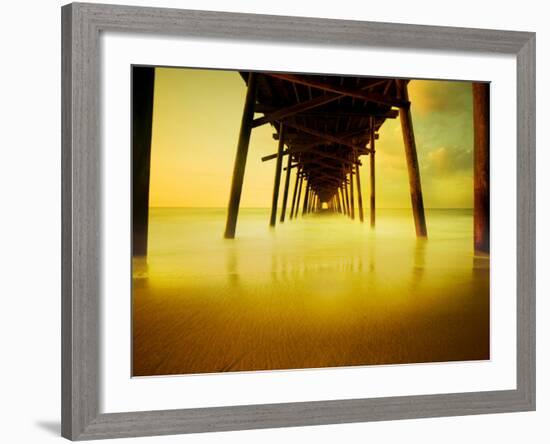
{"x":196,"y":120}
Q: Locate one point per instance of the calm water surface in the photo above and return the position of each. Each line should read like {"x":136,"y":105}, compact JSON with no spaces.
{"x":320,"y":291}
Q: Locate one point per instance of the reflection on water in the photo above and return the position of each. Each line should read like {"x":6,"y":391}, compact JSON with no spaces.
{"x":321,"y":291}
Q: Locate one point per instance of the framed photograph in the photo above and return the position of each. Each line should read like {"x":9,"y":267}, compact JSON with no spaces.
{"x":278,"y":221}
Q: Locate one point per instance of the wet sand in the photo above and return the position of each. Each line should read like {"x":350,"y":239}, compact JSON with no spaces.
{"x":320,"y":291}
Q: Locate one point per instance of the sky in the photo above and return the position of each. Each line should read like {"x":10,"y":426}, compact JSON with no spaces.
{"x":196,"y":121}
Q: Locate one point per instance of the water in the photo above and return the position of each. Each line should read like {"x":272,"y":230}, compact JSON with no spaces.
{"x":320,"y":291}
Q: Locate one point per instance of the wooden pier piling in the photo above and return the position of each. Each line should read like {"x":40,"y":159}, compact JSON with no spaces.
{"x":240,"y":158}
{"x":300,"y":186}
{"x":295,"y":193}
{"x":143,"y":87}
{"x":412,"y":162}
{"x":277,"y":180}
{"x":287,"y":185}
{"x":359,"y":195}
{"x":481,"y":100}
{"x":343,"y":199}
{"x":351,"y":196}
{"x":347,"y":198}
{"x":306,"y":196}
{"x":372,"y":173}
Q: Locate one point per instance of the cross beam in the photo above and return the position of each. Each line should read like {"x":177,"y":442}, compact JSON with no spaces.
{"x":304,"y":106}
{"x":294,"y":151}
{"x":340,"y":89}
{"x":328,"y":137}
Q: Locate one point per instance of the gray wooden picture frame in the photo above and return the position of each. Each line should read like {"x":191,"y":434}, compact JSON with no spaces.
{"x":81,"y":232}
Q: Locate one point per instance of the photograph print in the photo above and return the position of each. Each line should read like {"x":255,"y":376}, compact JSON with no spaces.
{"x":285,"y":221}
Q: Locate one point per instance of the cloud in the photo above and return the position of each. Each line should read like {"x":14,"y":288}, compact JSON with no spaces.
{"x":440,"y":96}
{"x":445,"y":160}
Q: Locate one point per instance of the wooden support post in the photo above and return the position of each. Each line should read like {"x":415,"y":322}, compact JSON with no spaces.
{"x":240,"y":158}
{"x":143,"y":86}
{"x":300,"y":186}
{"x":295,"y":193}
{"x":277,"y":180}
{"x":372,"y":175}
{"x":306,"y":195}
{"x":412,"y":163}
{"x":287,"y":185}
{"x":481,"y":98}
{"x":344,"y":207}
{"x":338,"y":201}
{"x":347,"y":198}
{"x":359,"y":195}
{"x":351,"y":196}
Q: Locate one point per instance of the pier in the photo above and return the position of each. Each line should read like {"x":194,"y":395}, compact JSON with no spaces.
{"x":325,"y":127}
